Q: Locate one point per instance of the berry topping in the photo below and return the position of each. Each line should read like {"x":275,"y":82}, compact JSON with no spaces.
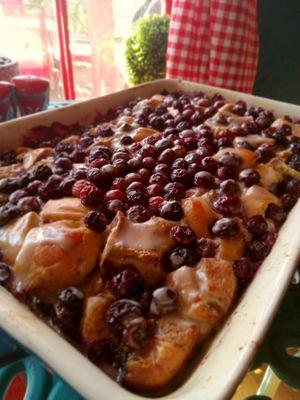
{"x":225,"y":227}
{"x":95,"y":221}
{"x":182,"y":234}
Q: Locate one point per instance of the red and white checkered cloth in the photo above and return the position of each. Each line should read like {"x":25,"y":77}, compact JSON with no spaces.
{"x":214,"y":42}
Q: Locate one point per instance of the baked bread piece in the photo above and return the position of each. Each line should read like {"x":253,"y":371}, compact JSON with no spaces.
{"x":139,"y":244}
{"x":135,"y":235}
{"x":56,"y":254}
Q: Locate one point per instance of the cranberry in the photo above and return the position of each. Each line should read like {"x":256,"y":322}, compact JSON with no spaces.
{"x":51,"y":189}
{"x":100,"y":152}
{"x":191,"y":158}
{"x":135,"y":186}
{"x":182,"y":234}
{"x":149,"y":163}
{"x":97,"y":177}
{"x":145,"y":174}
{"x":154,"y":190}
{"x":154,"y":203}
{"x":119,"y":184}
{"x":181,"y":175}
{"x":66,"y":186}
{"x":249,"y":177}
{"x":171,"y":210}
{"x":181,"y":256}
{"x":95,"y":221}
{"x":167,"y":156}
{"x":91,"y":196}
{"x":17,"y":195}
{"x":164,"y":301}
{"x":5,"y":273}
{"x":205,"y":133}
{"x":230,"y":159}
{"x":187,"y":133}
{"x":148,"y":150}
{"x":230,"y":187}
{"x":162,"y":168}
{"x":63,"y":163}
{"x":78,"y":185}
{"x":204,"y":102}
{"x":250,"y":128}
{"x":163,"y":144}
{"x":256,"y":224}
{"x":80,"y":173}
{"x":226,"y":172}
{"x":227,"y":205}
{"x":33,"y":187}
{"x":276,"y":213}
{"x":104,"y":131}
{"x":174,"y":191}
{"x":158,"y":178}
{"x":288,"y":200}
{"x":263,"y":121}
{"x":293,"y":187}
{"x":138,"y":213}
{"x":126,"y":140}
{"x":128,"y":283}
{"x":157,"y":123}
{"x":265,"y":152}
{"x":121,"y":312}
{"x":239,"y":109}
{"x":179,"y":163}
{"x":68,"y":309}
{"x":114,"y":194}
{"x":209,"y":112}
{"x":64,"y":147}
{"x":179,"y":150}
{"x":205,"y":151}
{"x":109,"y":171}
{"x":137,"y":197}
{"x":113,"y":206}
{"x":218,"y":104}
{"x":133,"y":177}
{"x":204,"y":179}
{"x":206,"y":247}
{"x":119,"y":155}
{"x":258,"y":249}
{"x":42,"y":172}
{"x":209,"y":164}
{"x":86,"y":141}
{"x":225,"y":227}
{"x":243,"y":271}
{"x":295,"y":162}
{"x":181,"y":126}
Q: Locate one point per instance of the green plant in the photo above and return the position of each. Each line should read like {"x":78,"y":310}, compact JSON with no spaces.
{"x":146,"y":47}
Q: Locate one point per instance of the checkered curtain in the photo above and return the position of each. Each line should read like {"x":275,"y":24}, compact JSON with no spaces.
{"x":214,"y":42}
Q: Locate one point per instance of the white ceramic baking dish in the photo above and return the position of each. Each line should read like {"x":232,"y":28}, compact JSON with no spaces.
{"x":229,"y":353}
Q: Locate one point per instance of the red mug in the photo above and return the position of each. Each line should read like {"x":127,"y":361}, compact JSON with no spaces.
{"x":32,"y":93}
{"x":8,"y":107}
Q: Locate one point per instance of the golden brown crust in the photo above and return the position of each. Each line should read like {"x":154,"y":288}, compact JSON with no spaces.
{"x":206,"y":292}
{"x":13,"y":235}
{"x":154,"y":366}
{"x":62,"y":209}
{"x":199,"y":215}
{"x":139,"y":244}
{"x":55,"y":255}
{"x":93,"y":324}
{"x":256,"y":199}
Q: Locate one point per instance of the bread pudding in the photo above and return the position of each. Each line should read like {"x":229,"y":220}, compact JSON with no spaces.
{"x":135,"y":236}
